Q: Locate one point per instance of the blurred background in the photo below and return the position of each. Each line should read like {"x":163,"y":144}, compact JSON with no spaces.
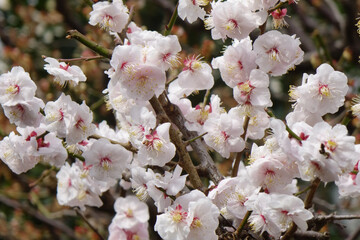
{"x":31,"y":29}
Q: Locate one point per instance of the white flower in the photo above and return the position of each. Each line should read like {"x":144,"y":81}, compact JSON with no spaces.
{"x":204,"y":215}
{"x":327,"y":153}
{"x":349,"y":183}
{"x":191,"y":10}
{"x":55,"y":114}
{"x":64,"y":72}
{"x":12,"y":148}
{"x":107,"y":160}
{"x":196,"y":117}
{"x":80,"y":125}
{"x":254,"y":91}
{"x":196,"y":75}
{"x":192,"y":216}
{"x":163,"y":52}
{"x":75,"y":187}
{"x":138,"y":232}
{"x":156,"y":147}
{"x":16,"y":87}
{"x":123,"y":57}
{"x":51,"y":150}
{"x":236,"y":63}
{"x":130,"y":211}
{"x":277,"y":53}
{"x":288,"y":209}
{"x":231,"y":194}
{"x":323,"y":92}
{"x":142,"y":82}
{"x":226,"y":21}
{"x":111,"y":16}
{"x":224,"y":134}
{"x":25,"y":113}
{"x":174,"y":224}
{"x":258,"y":123}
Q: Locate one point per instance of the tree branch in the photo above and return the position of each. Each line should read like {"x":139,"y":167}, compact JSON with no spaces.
{"x":90,"y":44}
{"x":206,"y":162}
{"x":185,"y":160}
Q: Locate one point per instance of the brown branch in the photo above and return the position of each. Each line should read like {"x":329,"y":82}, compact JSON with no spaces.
{"x":206,"y":162}
{"x":185,"y":160}
{"x":333,"y":217}
{"x":32,"y":212}
{"x":307,"y":203}
{"x":312,"y":235}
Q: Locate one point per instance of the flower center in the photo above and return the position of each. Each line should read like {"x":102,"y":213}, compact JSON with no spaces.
{"x":273,"y":54}
{"x":105,"y":163}
{"x":324,"y":90}
{"x":66,"y":67}
{"x":196,"y":223}
{"x":153,"y":141}
{"x":331,"y":145}
{"x":13,"y":89}
{"x":231,"y":25}
{"x":178,"y":215}
{"x":107,"y":22}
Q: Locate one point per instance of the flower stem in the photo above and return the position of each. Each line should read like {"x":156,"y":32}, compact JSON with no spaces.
{"x":237,"y":233}
{"x":292,"y":134}
{"x":195,"y":138}
{"x":172,"y":21}
{"x":347,"y":118}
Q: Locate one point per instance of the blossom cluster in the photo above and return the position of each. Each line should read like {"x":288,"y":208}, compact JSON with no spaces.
{"x":141,"y":153}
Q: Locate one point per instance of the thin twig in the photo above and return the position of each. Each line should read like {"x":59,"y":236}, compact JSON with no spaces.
{"x":292,"y":134}
{"x":235,"y":169}
{"x":195,"y":138}
{"x":32,"y":212}
{"x":43,"y":176}
{"x":89,"y":224}
{"x":97,"y":57}
{"x":127,"y":146}
{"x":131,"y":15}
{"x":206,"y":97}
